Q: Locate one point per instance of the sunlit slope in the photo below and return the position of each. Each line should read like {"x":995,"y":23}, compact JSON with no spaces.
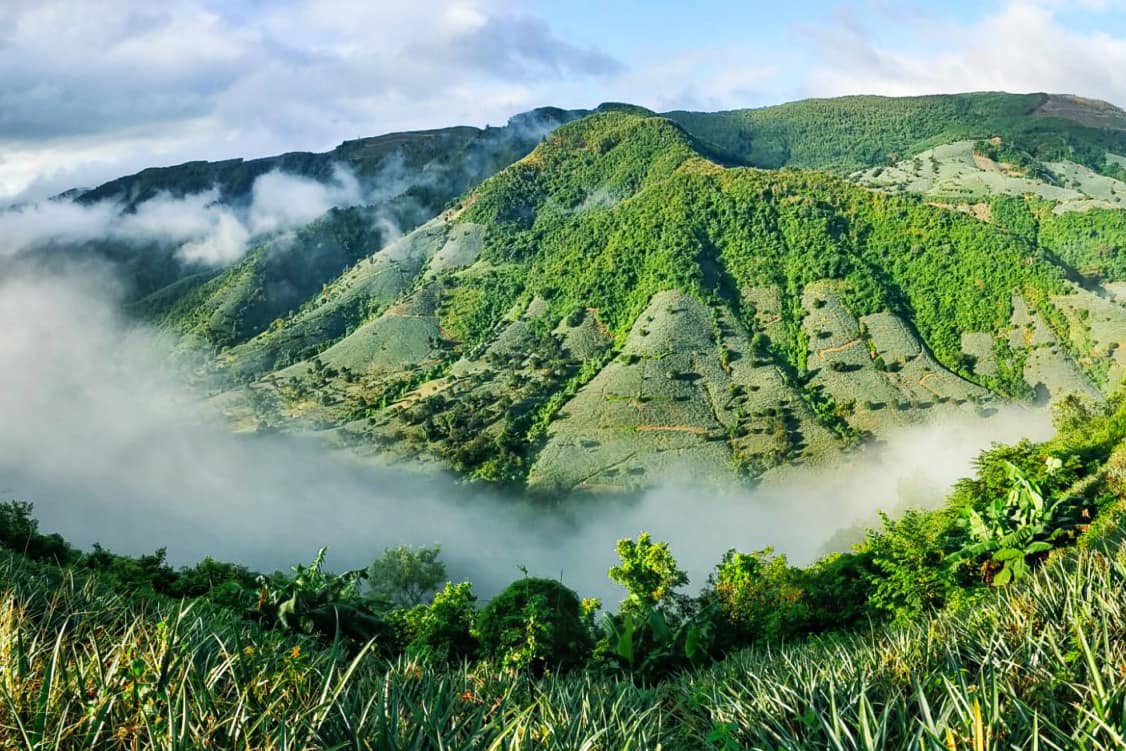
{"x":616,"y":306}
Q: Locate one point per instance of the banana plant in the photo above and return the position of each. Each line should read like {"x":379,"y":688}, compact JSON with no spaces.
{"x":642,"y":642}
{"x":1014,"y":528}
{"x":319,"y":603}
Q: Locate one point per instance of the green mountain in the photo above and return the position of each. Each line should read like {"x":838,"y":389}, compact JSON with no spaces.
{"x":406,"y":178}
{"x":627,"y":300}
{"x":850,"y":133}
{"x":621,"y":301}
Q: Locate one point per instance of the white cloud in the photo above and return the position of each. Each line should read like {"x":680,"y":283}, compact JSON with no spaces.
{"x":112,"y":446}
{"x":92,"y":91}
{"x":204,"y":229}
{"x":280,"y":200}
{"x":1023,"y":47}
{"x":703,"y":79}
{"x":58,"y":221}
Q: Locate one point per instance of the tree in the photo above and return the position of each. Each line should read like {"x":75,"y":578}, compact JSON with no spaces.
{"x":1072,"y":412}
{"x":405,"y":575}
{"x":648,"y":570}
{"x":19,"y":531}
{"x":760,"y":596}
{"x":907,"y":577}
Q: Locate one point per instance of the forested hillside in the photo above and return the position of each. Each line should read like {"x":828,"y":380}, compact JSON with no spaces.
{"x":617,"y":303}
{"x":589,"y":300}
{"x":399,"y":181}
{"x":850,"y":133}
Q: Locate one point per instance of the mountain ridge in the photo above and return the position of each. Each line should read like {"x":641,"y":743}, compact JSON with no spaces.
{"x":621,"y":300}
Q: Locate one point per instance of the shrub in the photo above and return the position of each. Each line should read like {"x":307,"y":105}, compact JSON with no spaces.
{"x":648,"y":570}
{"x":907,"y":575}
{"x":535,"y":624}
{"x":444,"y":629}
{"x":759,"y":596}
{"x":19,"y":531}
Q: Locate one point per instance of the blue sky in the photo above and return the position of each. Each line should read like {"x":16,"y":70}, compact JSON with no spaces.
{"x":89,"y":91}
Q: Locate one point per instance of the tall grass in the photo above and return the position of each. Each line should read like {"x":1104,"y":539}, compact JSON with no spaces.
{"x":1037,"y":666}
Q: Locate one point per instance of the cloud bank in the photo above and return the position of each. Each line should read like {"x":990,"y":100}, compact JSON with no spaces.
{"x":204,"y":229}
{"x":1019,"y":46}
{"x":113,"y":448}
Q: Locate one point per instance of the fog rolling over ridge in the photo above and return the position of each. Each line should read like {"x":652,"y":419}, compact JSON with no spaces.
{"x":113,"y":448}
{"x":204,"y":229}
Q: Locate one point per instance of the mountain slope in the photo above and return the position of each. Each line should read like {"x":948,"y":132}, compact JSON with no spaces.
{"x":855,"y":132}
{"x":620,"y":302}
{"x":402,"y":180}
{"x":615,"y":306}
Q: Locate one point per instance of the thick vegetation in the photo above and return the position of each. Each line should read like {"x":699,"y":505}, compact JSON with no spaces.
{"x":477,"y":340}
{"x":850,"y":133}
{"x":917,"y":638}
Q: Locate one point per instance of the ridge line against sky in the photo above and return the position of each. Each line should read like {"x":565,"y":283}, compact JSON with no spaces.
{"x":92,"y":91}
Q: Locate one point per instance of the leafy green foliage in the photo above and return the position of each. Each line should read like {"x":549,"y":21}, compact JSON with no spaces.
{"x":907,"y":557}
{"x":316,"y":602}
{"x":650,"y":644}
{"x":443,"y":630}
{"x":1017,"y":527}
{"x":1090,"y":242}
{"x":19,"y":531}
{"x":759,"y":595}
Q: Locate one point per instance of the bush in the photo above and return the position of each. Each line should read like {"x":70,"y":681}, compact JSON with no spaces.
{"x":908,"y":577}
{"x":19,"y":532}
{"x":648,"y":570}
{"x":836,"y":591}
{"x":535,"y":624}
{"x":759,"y":597}
{"x":444,"y":629}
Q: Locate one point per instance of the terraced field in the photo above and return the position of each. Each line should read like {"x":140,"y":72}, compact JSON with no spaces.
{"x":953,"y":173}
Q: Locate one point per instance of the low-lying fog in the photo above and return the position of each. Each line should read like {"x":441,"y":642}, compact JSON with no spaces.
{"x":113,"y":448}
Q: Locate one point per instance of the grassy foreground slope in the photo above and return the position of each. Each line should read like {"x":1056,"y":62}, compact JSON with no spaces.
{"x":1036,"y":662}
{"x":916,"y":650}
{"x":616,"y":303}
